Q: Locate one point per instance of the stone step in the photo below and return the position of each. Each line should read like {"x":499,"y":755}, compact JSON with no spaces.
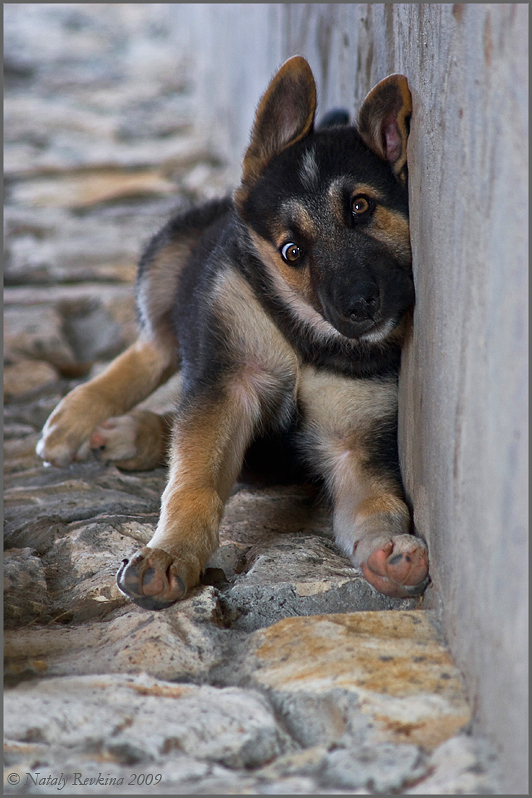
{"x":368,"y":702}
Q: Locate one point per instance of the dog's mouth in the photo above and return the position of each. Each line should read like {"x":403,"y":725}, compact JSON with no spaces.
{"x":379,"y":331}
{"x":368,"y":330}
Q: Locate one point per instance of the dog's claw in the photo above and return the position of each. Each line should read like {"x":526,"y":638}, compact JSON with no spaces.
{"x":151,"y":579}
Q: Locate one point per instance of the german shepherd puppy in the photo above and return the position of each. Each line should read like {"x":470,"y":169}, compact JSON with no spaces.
{"x":289,"y":303}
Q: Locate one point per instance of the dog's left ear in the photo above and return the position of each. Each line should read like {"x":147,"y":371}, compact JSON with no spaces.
{"x":383,"y":122}
{"x":285,"y":115}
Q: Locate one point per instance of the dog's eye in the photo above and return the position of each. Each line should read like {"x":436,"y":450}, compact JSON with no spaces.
{"x":360,"y":205}
{"x":291,"y":253}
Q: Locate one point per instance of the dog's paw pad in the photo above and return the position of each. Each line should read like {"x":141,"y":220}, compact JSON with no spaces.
{"x":399,"y":567}
{"x":151,"y":579}
{"x":115,"y":439}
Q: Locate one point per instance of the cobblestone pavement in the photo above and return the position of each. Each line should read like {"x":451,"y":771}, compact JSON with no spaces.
{"x":277,"y":675}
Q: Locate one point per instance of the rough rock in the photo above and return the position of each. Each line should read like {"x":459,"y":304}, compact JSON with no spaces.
{"x":24,"y":378}
{"x":461,"y":765}
{"x":84,"y":190}
{"x":80,"y":492}
{"x":169,"y":646}
{"x":383,"y":677}
{"x":36,"y":332}
{"x":78,"y":325}
{"x":47,"y":245}
{"x":149,"y":717}
{"x":299,"y":574}
{"x":17,"y":432}
{"x":25,"y":592}
{"x":381,"y":767}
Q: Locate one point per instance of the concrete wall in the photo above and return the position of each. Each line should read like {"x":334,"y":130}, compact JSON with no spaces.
{"x":464,"y":383}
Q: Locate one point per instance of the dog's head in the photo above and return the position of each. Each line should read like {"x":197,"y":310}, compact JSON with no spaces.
{"x":327,"y":210}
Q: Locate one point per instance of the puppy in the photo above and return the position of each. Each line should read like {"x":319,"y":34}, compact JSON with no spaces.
{"x":285,"y":307}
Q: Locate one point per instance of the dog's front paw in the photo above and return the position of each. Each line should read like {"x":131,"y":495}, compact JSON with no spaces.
{"x":397,"y":567}
{"x":60,"y":451}
{"x":63,"y":440}
{"x":65,"y":436}
{"x":152,"y":579}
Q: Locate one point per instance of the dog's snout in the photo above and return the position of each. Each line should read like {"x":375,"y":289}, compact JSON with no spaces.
{"x":364,"y":301}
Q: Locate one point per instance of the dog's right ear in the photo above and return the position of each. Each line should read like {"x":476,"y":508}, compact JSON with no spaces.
{"x":285,"y":115}
{"x":383,"y":122}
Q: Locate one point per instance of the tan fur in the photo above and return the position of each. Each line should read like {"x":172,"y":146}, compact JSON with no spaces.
{"x":391,"y":228}
{"x":207,"y":452}
{"x":297,"y":279}
{"x":136,"y":442}
{"x":208,"y":446}
{"x":342,"y":406}
{"x":402,"y":115}
{"x":253,"y":335}
{"x":340,"y":413}
{"x":336,"y":199}
{"x":291,"y":294}
{"x":387,"y":226}
{"x":126,"y":381}
{"x":368,"y":191}
{"x":133,"y":375}
{"x":382,"y":503}
{"x":188,"y":527}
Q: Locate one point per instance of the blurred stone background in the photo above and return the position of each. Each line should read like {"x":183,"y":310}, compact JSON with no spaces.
{"x":116,"y":115}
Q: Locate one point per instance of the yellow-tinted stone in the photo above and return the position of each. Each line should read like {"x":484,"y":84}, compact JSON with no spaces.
{"x":392,"y":662}
{"x":84,"y":190}
{"x":27,"y":375}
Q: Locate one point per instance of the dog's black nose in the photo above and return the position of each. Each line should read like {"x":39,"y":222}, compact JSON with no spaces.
{"x":364,"y":302}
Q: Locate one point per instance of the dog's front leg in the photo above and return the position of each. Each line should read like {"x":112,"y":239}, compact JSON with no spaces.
{"x":350,"y":432}
{"x":374,"y":533}
{"x":210,"y":438}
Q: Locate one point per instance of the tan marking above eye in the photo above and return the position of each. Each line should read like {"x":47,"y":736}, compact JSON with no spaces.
{"x":368,"y":191}
{"x":391,"y":228}
{"x":392,"y":222}
{"x":337,"y":192}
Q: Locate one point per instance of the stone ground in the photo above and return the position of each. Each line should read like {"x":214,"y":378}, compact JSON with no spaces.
{"x":285,"y":672}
